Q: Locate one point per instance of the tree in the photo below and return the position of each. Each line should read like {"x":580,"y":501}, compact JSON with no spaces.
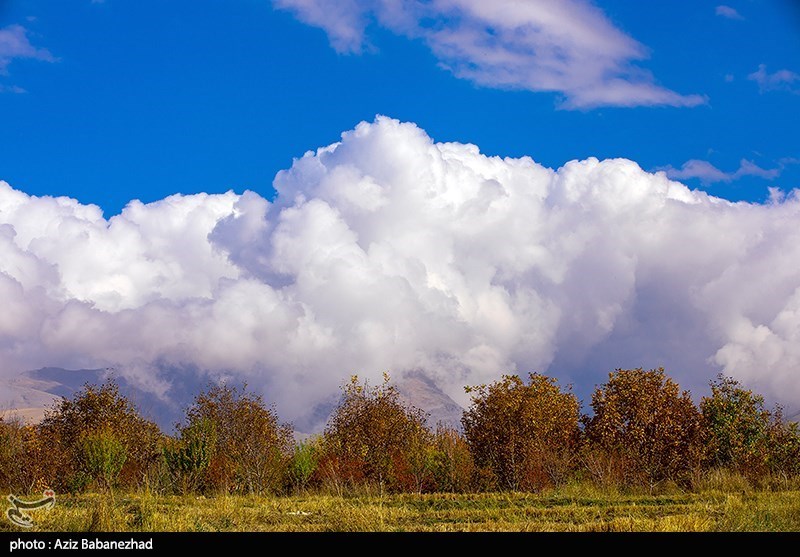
{"x":525,"y":435}
{"x":373,"y":437}
{"x":643,"y":418}
{"x":13,"y":461}
{"x":94,"y":409}
{"x":738,"y":424}
{"x":744,"y":435}
{"x":188,"y":457}
{"x":252,"y":448}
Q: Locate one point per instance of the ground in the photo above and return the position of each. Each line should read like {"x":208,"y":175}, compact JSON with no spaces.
{"x":571,"y":508}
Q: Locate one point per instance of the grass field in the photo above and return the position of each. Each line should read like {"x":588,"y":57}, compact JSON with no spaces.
{"x":574,"y":508}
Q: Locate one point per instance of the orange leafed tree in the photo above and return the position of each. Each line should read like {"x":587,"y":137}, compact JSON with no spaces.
{"x":373,"y":437}
{"x":524,"y":435}
{"x":648,"y":425}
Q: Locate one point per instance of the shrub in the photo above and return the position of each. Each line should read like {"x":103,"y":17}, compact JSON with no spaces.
{"x":646,"y":426}
{"x":451,"y":464}
{"x":525,"y":435}
{"x":188,"y":457}
{"x":304,"y":463}
{"x":103,"y":457}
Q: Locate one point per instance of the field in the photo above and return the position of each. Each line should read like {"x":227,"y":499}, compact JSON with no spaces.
{"x":572,"y":508}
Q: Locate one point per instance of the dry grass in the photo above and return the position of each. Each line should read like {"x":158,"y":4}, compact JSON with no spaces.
{"x":572,"y":508}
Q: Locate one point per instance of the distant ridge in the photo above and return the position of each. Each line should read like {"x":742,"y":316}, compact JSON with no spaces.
{"x":31,"y":393}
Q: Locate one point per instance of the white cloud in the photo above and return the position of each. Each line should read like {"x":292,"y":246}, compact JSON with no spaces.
{"x":14,"y":44}
{"x":707,"y":173}
{"x":12,"y":89}
{"x":781,"y":80}
{"x":387,"y":251}
{"x":728,"y":12}
{"x":563,"y":46}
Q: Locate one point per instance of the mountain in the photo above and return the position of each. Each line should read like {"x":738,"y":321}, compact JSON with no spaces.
{"x":419,"y":390}
{"x":29,"y":394}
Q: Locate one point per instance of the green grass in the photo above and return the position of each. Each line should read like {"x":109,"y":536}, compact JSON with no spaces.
{"x":572,"y":508}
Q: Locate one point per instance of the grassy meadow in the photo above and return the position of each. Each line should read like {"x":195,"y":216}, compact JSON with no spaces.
{"x":571,"y":508}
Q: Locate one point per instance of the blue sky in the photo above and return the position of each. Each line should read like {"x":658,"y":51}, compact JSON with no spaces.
{"x":389,"y":251}
{"x":137,"y":99}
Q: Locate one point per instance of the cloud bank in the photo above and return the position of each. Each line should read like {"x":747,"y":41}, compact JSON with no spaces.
{"x":564,"y":46}
{"x":388,"y":251}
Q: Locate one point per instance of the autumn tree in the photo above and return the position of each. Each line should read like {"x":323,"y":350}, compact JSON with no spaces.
{"x":251,"y":448}
{"x":13,"y":458}
{"x":524,"y":434}
{"x":373,"y":437}
{"x":67,"y":425}
{"x":644,"y":420}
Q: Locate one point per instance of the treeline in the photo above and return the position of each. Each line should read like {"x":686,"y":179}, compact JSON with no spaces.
{"x":516,"y":435}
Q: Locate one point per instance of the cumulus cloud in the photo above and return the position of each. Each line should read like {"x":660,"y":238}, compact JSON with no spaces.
{"x":728,"y":12}
{"x":564,"y":46}
{"x":707,"y":173}
{"x":781,"y":80}
{"x":388,"y":251}
{"x":14,"y":44}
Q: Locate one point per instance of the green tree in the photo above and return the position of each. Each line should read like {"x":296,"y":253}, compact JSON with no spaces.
{"x":304,"y":463}
{"x":744,"y":435}
{"x":103,"y":457}
{"x":188,"y":457}
{"x":738,"y":425}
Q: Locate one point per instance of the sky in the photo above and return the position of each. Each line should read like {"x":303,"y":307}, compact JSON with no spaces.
{"x":292,"y":191}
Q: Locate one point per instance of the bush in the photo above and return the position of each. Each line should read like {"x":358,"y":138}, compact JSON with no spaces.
{"x":524,"y":435}
{"x":451,"y":464}
{"x":103,"y":457}
{"x":373,"y":437}
{"x":646,"y":427}
{"x":188,"y":458}
{"x":304,"y":463}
